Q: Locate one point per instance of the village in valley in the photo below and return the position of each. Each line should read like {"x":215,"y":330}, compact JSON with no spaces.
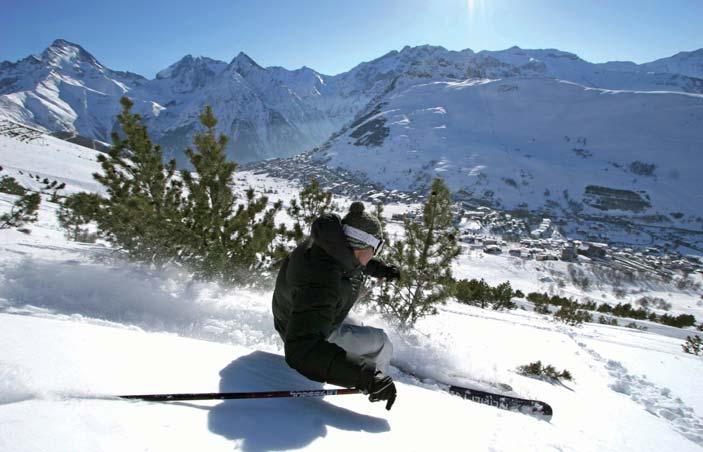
{"x":521,"y":235}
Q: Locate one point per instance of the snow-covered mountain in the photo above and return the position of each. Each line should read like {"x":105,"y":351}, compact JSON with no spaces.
{"x":269,"y":112}
{"x":534,"y":143}
{"x":554,"y":63}
{"x":64,"y":89}
{"x":689,"y":64}
{"x":685,"y":63}
{"x":425,"y":62}
{"x":262,"y":116}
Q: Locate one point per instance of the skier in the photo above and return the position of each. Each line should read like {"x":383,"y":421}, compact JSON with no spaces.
{"x":316,"y":287}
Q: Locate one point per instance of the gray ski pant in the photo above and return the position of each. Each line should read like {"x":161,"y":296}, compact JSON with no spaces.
{"x":364,"y":345}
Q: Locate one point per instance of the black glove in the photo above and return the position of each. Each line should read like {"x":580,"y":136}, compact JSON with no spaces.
{"x":377,"y":385}
{"x":390,"y":272}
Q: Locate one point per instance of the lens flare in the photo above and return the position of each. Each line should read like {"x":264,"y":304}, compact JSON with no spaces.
{"x":475,"y":7}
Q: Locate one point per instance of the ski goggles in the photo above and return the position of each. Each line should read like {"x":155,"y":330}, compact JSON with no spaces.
{"x":364,"y":237}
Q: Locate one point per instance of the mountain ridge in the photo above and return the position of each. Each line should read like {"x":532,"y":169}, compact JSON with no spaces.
{"x":272,"y":111}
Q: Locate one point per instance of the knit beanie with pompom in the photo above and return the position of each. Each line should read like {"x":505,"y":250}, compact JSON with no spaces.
{"x":359,"y":220}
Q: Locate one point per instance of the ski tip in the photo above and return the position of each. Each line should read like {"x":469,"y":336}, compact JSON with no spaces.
{"x":542,"y":411}
{"x":537,"y":409}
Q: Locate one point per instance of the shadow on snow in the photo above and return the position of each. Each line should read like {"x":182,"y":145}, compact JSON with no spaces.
{"x":276,"y":424}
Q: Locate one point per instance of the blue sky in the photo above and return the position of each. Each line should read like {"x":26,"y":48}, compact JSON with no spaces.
{"x":333,"y":36}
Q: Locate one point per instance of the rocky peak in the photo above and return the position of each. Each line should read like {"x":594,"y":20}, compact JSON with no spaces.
{"x":62,"y":52}
{"x":192,"y":67}
{"x":423,"y":51}
{"x":244,"y":64}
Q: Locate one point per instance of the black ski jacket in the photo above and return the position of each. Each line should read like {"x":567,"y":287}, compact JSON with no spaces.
{"x":317,"y":285}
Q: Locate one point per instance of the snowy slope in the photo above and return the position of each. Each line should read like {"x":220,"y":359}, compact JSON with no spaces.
{"x":78,"y":325}
{"x":40,"y":156}
{"x":533,"y":143}
{"x":55,"y":376}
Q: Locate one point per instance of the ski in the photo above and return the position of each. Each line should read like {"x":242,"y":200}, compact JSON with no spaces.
{"x":487,"y":393}
{"x":535,"y":408}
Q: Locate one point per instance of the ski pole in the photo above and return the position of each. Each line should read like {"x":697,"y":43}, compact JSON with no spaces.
{"x":240,"y":395}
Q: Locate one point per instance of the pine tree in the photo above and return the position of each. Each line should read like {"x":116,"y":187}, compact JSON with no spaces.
{"x":424,"y":256}
{"x":474,"y":292}
{"x":225,"y":239}
{"x":196,"y":220}
{"x":312,"y":202}
{"x":569,"y":313}
{"x":378,"y":211}
{"x":481,"y":294}
{"x":502,"y":296}
{"x":10,"y":186}
{"x":24,"y":210}
{"x":77,"y":210}
{"x":142,"y":212}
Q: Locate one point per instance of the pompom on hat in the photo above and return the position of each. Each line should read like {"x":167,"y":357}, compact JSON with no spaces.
{"x":362,"y":229}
